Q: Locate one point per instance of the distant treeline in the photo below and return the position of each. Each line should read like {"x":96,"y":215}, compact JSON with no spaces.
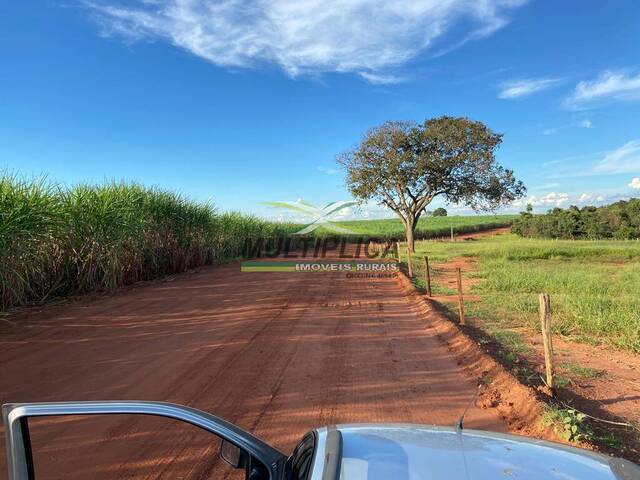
{"x":620,"y":220}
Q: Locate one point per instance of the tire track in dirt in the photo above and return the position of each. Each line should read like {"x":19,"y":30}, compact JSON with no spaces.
{"x":194,"y":391}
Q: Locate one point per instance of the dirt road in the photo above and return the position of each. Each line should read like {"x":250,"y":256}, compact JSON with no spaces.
{"x":276,"y":353}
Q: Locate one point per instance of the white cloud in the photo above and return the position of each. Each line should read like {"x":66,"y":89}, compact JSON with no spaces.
{"x":555,"y":199}
{"x":586,"y":124}
{"x":635,"y":183}
{"x":608,"y":85}
{"x":366,"y":37}
{"x":513,"y":89}
{"x":589,"y":197}
{"x":625,"y":159}
{"x":550,"y":131}
{"x":563,"y":200}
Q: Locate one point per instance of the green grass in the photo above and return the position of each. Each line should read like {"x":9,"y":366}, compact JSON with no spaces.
{"x":511,"y":340}
{"x":429,"y":227}
{"x":593,"y":284}
{"x":582,"y":372}
{"x":436,"y":288}
{"x":56,"y":241}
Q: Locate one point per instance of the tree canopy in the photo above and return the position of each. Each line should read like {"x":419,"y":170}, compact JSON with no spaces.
{"x":405,"y":165}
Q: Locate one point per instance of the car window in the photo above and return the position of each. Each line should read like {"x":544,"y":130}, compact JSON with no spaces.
{"x":299,"y":464}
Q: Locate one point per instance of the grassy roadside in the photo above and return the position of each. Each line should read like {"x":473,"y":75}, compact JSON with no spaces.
{"x":593,"y":285}
{"x":593,"y":289}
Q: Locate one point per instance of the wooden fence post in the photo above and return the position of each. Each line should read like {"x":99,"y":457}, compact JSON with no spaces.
{"x":452,"y":233}
{"x":427,"y":275}
{"x":409,"y":266}
{"x":545,"y":322}
{"x":460,"y":299}
{"x":396,"y":252}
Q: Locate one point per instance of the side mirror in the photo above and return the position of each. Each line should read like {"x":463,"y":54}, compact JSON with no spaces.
{"x":231,"y":454}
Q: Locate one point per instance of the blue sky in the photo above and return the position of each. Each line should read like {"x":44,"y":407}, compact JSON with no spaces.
{"x":245,"y":102}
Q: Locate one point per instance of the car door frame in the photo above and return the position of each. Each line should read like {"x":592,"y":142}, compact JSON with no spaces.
{"x":19,"y":454}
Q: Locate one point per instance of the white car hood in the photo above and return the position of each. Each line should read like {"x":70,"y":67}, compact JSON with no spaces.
{"x":384,"y":452}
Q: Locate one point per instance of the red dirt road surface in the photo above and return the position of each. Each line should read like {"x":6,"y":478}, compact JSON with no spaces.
{"x":276,"y":353}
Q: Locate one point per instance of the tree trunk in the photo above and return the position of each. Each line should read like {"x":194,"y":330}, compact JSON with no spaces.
{"x":410,"y":240}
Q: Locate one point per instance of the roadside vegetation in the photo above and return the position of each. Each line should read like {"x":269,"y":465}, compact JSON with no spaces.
{"x":593,"y":289}
{"x":57,"y":241}
{"x":593,"y":285}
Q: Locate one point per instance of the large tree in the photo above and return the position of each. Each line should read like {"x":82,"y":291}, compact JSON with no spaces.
{"x":405,"y":165}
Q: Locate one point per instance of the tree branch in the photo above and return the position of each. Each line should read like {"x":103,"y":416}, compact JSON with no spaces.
{"x":401,"y":197}
{"x":414,"y":199}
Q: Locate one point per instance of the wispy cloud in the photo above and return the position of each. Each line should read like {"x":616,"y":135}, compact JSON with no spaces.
{"x":584,"y":123}
{"x":609,"y":85}
{"x":635,"y":183}
{"x":381,"y":79}
{"x":514,"y":89}
{"x":328,"y":171}
{"x":559,"y":162}
{"x":625,"y":159}
{"x":549,"y":185}
{"x":365,"y":37}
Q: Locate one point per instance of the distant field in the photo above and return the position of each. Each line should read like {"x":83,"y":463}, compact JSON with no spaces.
{"x":593,"y":284}
{"x":428,"y":227}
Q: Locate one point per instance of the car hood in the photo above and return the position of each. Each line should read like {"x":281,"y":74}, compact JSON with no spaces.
{"x":413,"y":452}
